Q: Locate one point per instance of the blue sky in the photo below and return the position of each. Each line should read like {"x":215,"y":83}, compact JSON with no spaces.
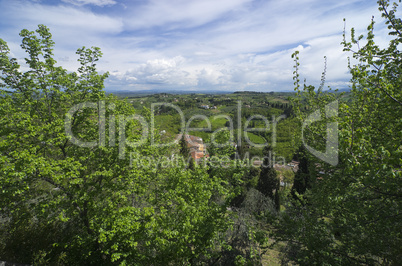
{"x":198,"y":45}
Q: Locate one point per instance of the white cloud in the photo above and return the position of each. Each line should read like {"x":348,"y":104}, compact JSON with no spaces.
{"x":226,"y":44}
{"x":90,"y":2}
{"x":70,"y":26}
{"x":181,"y":13}
{"x":65,"y":18}
{"x":209,"y":76}
{"x":158,"y":71}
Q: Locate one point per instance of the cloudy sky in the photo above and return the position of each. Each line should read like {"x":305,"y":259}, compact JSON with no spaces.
{"x":198,"y":45}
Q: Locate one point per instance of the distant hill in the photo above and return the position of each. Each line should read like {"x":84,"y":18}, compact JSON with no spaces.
{"x":158,"y":91}
{"x":137,"y":93}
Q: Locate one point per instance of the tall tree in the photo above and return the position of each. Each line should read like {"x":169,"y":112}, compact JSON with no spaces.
{"x":354,"y":213}
{"x":268,"y":183}
{"x":302,"y":179}
{"x":72,"y":173}
{"x":184,"y":150}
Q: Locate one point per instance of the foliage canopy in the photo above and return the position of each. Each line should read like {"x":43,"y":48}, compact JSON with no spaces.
{"x":353,"y":215}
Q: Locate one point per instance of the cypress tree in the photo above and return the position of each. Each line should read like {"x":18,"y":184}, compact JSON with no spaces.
{"x":268,"y":184}
{"x":184,"y":150}
{"x":302,"y":177}
{"x":191,"y":164}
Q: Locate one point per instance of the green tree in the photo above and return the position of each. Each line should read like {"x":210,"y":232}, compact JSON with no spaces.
{"x":268,"y":183}
{"x":191,"y":164}
{"x":354,"y":211}
{"x":302,"y":178}
{"x":222,"y":143}
{"x":249,"y":180}
{"x":184,"y":150}
{"x":74,"y":188}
